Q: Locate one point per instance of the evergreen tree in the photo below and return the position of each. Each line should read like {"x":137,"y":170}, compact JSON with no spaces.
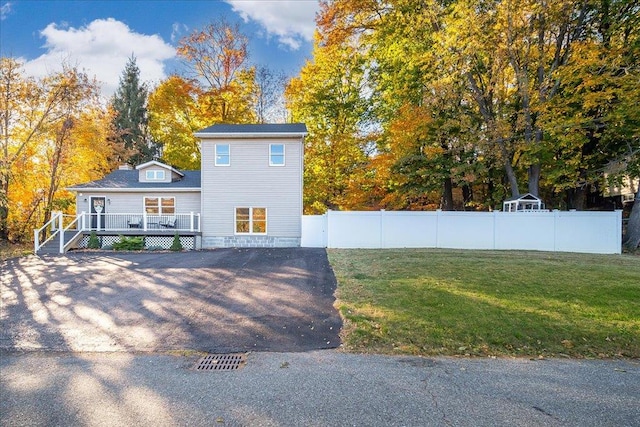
{"x":130,"y":121}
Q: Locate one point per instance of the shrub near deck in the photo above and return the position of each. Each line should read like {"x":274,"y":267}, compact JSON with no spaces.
{"x":488,"y":303}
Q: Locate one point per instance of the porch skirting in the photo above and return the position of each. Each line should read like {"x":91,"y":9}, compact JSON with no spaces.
{"x":250,"y":242}
{"x":189,"y":241}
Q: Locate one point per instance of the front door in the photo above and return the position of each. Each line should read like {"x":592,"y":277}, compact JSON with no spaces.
{"x":97,"y":212}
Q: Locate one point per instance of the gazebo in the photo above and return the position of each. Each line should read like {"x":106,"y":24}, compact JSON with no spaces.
{"x":523,"y":203}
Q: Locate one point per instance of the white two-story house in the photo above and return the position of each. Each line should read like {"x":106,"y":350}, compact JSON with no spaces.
{"x":248,"y":193}
{"x":252,"y":185}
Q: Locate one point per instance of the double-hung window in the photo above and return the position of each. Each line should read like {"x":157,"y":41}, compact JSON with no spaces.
{"x":160,"y":205}
{"x":155,"y":175}
{"x":276,"y":154}
{"x":251,"y":220}
{"x":222,"y":155}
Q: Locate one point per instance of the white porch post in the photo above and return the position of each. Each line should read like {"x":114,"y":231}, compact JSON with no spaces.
{"x":36,"y":236}
{"x":84,"y":221}
{"x":144,"y":220}
{"x":191,"y":221}
{"x":99,"y":210}
{"x":61,"y":231}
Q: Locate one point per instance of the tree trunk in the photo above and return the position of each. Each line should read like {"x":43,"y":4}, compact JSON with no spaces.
{"x":489,"y":118}
{"x":632,"y":238}
{"x":4,"y":206}
{"x":576,"y":198}
{"x":511,"y":174}
{"x":467,"y":195}
{"x":447,"y":195}
{"x":54,"y":176}
{"x":534,"y":179}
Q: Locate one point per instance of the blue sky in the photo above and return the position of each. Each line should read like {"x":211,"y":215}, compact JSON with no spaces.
{"x":100,"y":35}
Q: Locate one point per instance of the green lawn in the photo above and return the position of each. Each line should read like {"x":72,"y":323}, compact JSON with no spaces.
{"x":447,"y":302}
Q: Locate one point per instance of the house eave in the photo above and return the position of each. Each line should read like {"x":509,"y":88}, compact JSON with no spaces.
{"x":249,"y":135}
{"x":135,"y":190}
{"x":162,"y":165}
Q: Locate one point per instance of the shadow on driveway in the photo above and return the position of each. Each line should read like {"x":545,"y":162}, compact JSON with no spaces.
{"x":218,"y":301}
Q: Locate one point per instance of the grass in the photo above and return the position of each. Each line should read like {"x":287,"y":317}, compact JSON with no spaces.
{"x":13,"y":250}
{"x":481,"y":303}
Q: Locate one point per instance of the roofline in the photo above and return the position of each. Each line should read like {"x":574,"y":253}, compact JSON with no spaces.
{"x":240,"y":135}
{"x":162,"y":165}
{"x":135,"y":189}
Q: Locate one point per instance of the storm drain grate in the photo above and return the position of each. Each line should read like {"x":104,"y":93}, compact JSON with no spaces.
{"x":221,"y":362}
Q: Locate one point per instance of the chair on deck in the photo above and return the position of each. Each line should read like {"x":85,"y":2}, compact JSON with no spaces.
{"x":135,"y":222}
{"x":169,"y":222}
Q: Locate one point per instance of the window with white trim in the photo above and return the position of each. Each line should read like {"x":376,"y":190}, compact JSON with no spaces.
{"x":160,"y":205}
{"x":276,"y":154}
{"x":155,"y":175}
{"x":222,"y":155}
{"x":251,"y":220}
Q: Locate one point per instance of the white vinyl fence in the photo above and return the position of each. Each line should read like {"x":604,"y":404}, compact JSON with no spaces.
{"x":560,"y":231}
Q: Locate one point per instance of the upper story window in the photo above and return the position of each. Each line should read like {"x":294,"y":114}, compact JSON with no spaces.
{"x":155,"y":175}
{"x":223,"y":155}
{"x":276,"y":154}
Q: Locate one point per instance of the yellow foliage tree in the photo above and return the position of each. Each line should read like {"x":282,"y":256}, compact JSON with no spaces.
{"x":53,"y":135}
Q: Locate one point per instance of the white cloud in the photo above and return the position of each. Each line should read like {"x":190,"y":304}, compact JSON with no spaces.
{"x":291,"y":21}
{"x":177,"y":30}
{"x":5,"y":10}
{"x":102,"y":49}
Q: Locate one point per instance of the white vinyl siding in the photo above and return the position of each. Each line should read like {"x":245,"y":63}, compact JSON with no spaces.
{"x":155,"y":174}
{"x":223,"y":155}
{"x":276,"y":155}
{"x":133,"y":202}
{"x":251,"y":182}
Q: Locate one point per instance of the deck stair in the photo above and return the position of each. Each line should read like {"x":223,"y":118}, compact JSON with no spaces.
{"x":52,"y":247}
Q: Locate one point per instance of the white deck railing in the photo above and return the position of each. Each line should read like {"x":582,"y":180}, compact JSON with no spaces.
{"x":139,"y":221}
{"x":111,"y":222}
{"x":40,"y":236}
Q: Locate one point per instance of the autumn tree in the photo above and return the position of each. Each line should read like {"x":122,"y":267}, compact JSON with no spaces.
{"x":539,"y":88}
{"x":269,"y":95}
{"x":327,"y":96}
{"x":57,"y":142}
{"x":13,"y":87}
{"x":44,"y":122}
{"x":216,"y":57}
{"x":28,"y":108}
{"x":176,"y":111}
{"x":130,"y":123}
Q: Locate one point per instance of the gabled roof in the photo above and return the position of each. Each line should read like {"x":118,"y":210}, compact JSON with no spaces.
{"x":162,"y":165}
{"x":120,"y":180}
{"x":253,"y":130}
{"x":527,"y":196}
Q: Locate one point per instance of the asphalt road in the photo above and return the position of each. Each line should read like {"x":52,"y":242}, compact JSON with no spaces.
{"x":217,"y":301}
{"x":317,"y":388}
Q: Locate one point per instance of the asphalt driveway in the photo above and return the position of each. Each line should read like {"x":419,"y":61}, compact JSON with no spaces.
{"x":218,"y":301}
